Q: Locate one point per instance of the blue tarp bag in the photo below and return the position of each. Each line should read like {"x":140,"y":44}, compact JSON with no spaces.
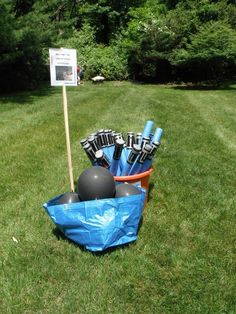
{"x":100,"y":224}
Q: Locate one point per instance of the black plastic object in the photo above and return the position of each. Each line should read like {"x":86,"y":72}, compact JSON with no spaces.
{"x":96,"y":183}
{"x":102,"y":159}
{"x":130,"y":139}
{"x":68,"y":198}
{"x":126,"y":189}
{"x":90,"y":152}
{"x":133,"y":154}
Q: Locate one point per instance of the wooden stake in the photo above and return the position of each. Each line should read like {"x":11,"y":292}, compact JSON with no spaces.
{"x":68,"y":138}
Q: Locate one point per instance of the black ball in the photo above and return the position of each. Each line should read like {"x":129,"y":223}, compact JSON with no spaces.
{"x":96,"y":183}
{"x":68,"y":198}
{"x":126,"y":189}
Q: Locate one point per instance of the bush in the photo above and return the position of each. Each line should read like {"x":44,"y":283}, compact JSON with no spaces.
{"x":106,"y":61}
{"x":211,"y":53}
{"x":96,"y":59}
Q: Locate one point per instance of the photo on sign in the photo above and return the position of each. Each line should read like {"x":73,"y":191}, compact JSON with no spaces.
{"x":64,"y":73}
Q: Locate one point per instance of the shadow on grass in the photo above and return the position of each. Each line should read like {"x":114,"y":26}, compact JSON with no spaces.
{"x":201,"y":86}
{"x":22,"y":97}
{"x":151,"y":187}
{"x":61,"y":236}
{"x":206,"y":86}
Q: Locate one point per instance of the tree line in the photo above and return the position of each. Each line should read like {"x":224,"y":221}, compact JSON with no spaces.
{"x":148,"y":40}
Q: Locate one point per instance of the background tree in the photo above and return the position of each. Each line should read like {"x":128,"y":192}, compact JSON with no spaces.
{"x":22,"y":7}
{"x":159,"y":41}
{"x":151,"y":40}
{"x":21,"y":63}
{"x":211,"y":53}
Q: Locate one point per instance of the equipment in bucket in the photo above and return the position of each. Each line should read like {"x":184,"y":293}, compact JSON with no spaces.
{"x":68,"y":198}
{"x":126,"y":189}
{"x":96,"y":183}
{"x":108,"y":149}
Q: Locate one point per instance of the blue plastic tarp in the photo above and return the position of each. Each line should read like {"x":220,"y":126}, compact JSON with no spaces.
{"x":100,"y":224}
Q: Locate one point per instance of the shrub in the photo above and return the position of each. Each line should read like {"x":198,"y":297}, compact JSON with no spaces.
{"x":95,"y":58}
{"x":211,"y":52}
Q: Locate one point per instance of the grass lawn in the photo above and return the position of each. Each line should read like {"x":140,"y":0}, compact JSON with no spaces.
{"x":184,"y":260}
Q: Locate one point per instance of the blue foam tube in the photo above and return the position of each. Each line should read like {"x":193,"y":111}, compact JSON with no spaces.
{"x":107,"y":152}
{"x":136,"y":168}
{"x":138,"y":164}
{"x":157,"y":135}
{"x":118,"y":171}
{"x":126,"y":169}
{"x":127,"y":151}
{"x":133,"y":155}
{"x":123,"y":158}
{"x":146,"y":165}
{"x":115,"y":169}
{"x":111,"y":150}
{"x":147,"y":128}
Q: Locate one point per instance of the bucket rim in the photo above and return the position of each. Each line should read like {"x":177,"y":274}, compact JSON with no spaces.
{"x":134,"y":176}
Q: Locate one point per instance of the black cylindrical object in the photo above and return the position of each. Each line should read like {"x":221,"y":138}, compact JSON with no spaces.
{"x":118,"y":135}
{"x":102,"y":159}
{"x":100,"y":138}
{"x":110,"y":137}
{"x":130,"y":139}
{"x":119,"y":144}
{"x":113,"y":134}
{"x":145,"y":140}
{"x":136,"y":149}
{"x":144,"y":153}
{"x":137,"y":166}
{"x":148,"y":162}
{"x":97,"y":141}
{"x":90,"y":153}
{"x":105,"y":138}
{"x":155,"y":146}
{"x":93,"y":143}
{"x":138,"y":138}
{"x":83,"y":142}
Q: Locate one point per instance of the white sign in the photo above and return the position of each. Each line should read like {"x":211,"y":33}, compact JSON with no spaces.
{"x":63,"y":67}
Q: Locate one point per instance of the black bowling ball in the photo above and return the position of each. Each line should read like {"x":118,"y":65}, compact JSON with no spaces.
{"x":68,"y":198}
{"x":126,"y":189}
{"x":96,"y":183}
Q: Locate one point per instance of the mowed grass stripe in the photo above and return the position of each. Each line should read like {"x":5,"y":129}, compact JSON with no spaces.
{"x":221,"y":117}
{"x":203,"y":169}
{"x":42,"y":110}
{"x":195,"y":197}
{"x":37,"y":150}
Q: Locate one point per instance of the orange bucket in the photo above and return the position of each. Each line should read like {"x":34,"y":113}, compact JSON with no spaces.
{"x":143,"y":178}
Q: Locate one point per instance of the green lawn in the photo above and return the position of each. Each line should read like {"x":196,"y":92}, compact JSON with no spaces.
{"x":184,"y":258}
